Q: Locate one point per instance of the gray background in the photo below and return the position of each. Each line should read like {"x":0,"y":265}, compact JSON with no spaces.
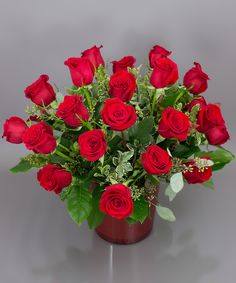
{"x":38,"y":241}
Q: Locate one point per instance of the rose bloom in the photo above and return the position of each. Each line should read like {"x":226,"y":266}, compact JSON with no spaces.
{"x":54,"y":178}
{"x":92,"y":144}
{"x":122,"y":85}
{"x":199,"y":100}
{"x":118,"y":115}
{"x":217,"y":135}
{"x":196,"y":80}
{"x":157,"y":52}
{"x":40,"y":92}
{"x":81,"y":71}
{"x":72,"y":109}
{"x":123,"y":64}
{"x":165,"y":73}
{"x":156,"y":160}
{"x":39,"y":138}
{"x":13,"y":129}
{"x":196,"y":175}
{"x":174,"y":124}
{"x":208,"y":117}
{"x":93,"y":54}
{"x":116,"y":201}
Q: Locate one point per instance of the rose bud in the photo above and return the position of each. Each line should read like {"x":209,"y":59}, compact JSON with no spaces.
{"x":165,"y":73}
{"x":122,"y":85}
{"x":118,"y":115}
{"x":156,"y":160}
{"x":54,"y":178}
{"x":41,"y":92}
{"x":123,"y":64}
{"x":81,"y":70}
{"x":199,"y":100}
{"x":196,"y":80}
{"x":72,"y":110}
{"x":197,"y":174}
{"x":116,"y":201}
{"x":217,"y":135}
{"x":92,"y":144}
{"x":93,"y":54}
{"x":157,"y":52}
{"x":208,"y":117}
{"x":13,"y":129}
{"x":39,"y":138}
{"x":174,"y":124}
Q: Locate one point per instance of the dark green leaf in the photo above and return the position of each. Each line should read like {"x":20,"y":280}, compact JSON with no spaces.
{"x":220,"y":157}
{"x":96,"y":216}
{"x":171,"y":97}
{"x":141,"y":130}
{"x":184,"y":151}
{"x":79,"y":202}
{"x":22,"y":166}
{"x":141,"y":210}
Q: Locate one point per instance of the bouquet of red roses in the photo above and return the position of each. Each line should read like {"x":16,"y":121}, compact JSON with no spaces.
{"x":106,"y":143}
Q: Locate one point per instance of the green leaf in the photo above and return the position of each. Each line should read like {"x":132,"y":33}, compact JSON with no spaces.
{"x":141,"y":210}
{"x":165,"y":213}
{"x":177,"y":182}
{"x":79,"y":202}
{"x":172,"y":95}
{"x":22,"y":166}
{"x":170,"y":193}
{"x":220,"y":157}
{"x":96,"y":216}
{"x":141,"y":130}
{"x":183,"y":151}
{"x":208,"y":184}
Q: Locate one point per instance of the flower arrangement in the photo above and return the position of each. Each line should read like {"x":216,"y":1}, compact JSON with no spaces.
{"x":106,"y":144}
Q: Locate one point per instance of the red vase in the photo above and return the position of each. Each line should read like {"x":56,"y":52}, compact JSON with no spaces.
{"x":121,"y":232}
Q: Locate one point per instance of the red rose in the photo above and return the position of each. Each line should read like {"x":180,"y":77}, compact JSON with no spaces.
{"x":200,"y":100}
{"x":41,"y":92}
{"x":165,"y":73}
{"x":81,"y":71}
{"x":92,"y":144}
{"x":157,"y":52}
{"x":209,"y":117}
{"x":156,"y":160}
{"x":174,"y":124}
{"x":196,"y":80}
{"x":118,"y":115}
{"x":116,"y":201}
{"x":194,"y":174}
{"x":54,"y":178}
{"x":13,"y":129}
{"x":122,"y":85}
{"x":71,"y":109}
{"x":123,"y":64}
{"x":217,"y":135}
{"x":93,"y":54}
{"x":39,"y":138}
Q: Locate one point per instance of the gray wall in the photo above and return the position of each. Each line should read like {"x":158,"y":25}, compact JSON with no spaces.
{"x":38,"y":241}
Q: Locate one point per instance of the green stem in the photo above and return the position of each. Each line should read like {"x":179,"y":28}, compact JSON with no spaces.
{"x":59,"y":153}
{"x":140,"y":176}
{"x":153,"y":103}
{"x":65,"y":148}
{"x":87,"y":95}
{"x":123,"y":138}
